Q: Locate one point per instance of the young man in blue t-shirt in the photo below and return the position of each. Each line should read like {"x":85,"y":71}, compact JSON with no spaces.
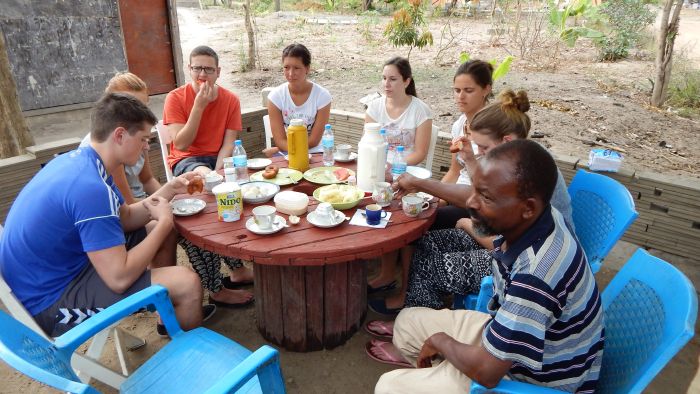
{"x":64,"y":251}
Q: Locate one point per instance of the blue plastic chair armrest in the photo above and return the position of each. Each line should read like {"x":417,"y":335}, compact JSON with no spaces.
{"x":264,"y":362}
{"x":513,"y":387}
{"x":154,"y":295}
{"x":485,"y":294}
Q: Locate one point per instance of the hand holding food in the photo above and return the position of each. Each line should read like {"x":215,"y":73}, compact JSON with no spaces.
{"x":270,"y":171}
{"x":195,"y":185}
{"x":456,"y":146}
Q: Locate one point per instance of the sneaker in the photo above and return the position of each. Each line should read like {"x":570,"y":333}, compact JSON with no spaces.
{"x":207,"y":312}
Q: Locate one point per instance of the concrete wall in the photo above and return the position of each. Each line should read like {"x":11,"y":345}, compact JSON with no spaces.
{"x":669,"y":208}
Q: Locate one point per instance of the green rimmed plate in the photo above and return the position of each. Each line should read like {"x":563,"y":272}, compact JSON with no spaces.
{"x":324,"y":175}
{"x":285,"y":176}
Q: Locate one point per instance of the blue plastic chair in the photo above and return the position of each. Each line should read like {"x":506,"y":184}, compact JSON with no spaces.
{"x":196,"y":361}
{"x":650,"y":312}
{"x":602,"y":210}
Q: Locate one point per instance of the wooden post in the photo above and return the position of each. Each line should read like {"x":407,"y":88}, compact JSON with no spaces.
{"x":14,"y":133}
{"x":668,"y":30}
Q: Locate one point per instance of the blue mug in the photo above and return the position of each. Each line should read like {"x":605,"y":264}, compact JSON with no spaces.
{"x":374,"y":214}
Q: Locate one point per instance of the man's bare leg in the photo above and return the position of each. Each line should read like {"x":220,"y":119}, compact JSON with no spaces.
{"x":185,"y":291}
{"x":387,"y":270}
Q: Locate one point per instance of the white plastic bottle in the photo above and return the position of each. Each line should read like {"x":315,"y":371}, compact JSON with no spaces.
{"x":371,"y":158}
{"x":398,"y":166}
{"x":240,"y":162}
{"x":327,"y":141}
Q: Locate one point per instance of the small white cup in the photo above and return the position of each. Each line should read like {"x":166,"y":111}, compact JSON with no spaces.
{"x":325,"y":213}
{"x":212,"y":179}
{"x":413,"y":205}
{"x":342,"y":151}
{"x":265,"y":216}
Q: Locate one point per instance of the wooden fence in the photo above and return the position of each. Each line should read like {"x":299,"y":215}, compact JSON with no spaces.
{"x":669,"y":207}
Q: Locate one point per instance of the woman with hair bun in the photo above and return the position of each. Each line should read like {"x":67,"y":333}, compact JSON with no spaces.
{"x":455,"y":260}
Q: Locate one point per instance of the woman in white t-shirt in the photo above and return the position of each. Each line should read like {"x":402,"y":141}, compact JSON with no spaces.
{"x":406,"y":119}
{"x":408,"y":122}
{"x":298,"y":98}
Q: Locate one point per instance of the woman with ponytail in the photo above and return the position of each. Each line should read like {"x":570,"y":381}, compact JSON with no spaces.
{"x":406,"y":119}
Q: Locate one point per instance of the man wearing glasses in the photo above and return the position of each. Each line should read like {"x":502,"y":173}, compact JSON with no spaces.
{"x":203,"y":120}
{"x":202,"y":117}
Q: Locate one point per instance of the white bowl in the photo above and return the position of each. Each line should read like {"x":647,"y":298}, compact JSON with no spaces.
{"x":267,"y":191}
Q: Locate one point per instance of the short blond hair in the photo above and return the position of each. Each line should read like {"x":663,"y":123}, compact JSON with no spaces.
{"x":126,"y":82}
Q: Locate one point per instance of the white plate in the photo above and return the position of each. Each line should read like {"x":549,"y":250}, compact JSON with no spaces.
{"x":277,"y":225}
{"x":258,"y":164}
{"x":187,"y":206}
{"x":312,"y":217}
{"x":418,"y":172}
{"x":350,"y":158}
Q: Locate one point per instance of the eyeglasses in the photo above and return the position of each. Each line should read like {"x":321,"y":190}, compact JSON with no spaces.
{"x":199,"y":69}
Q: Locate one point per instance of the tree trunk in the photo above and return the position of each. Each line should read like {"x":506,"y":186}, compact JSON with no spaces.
{"x":366,"y":5}
{"x":252,"y":51}
{"x":277,"y":5}
{"x":14,"y":133}
{"x":664,"y":50}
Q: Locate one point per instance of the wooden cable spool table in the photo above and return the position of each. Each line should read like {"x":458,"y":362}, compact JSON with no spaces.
{"x":310,"y":282}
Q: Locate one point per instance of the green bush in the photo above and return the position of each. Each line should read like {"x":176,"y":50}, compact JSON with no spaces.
{"x":625,"y":21}
{"x":403,"y":29}
{"x":684,"y":87}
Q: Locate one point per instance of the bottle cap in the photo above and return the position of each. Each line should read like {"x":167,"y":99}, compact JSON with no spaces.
{"x":382,"y":131}
{"x":328,"y":126}
{"x":399,"y":148}
{"x":296,"y":122}
{"x":238,"y":142}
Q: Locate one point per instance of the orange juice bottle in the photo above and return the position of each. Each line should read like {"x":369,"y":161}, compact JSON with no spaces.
{"x":298,"y":145}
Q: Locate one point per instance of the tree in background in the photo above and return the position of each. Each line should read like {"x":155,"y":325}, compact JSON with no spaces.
{"x":665,"y":39}
{"x":252,"y":47}
{"x":14,"y":133}
{"x":403,"y":29}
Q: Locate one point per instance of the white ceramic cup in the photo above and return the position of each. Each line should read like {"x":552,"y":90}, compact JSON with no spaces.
{"x":413,"y":205}
{"x":212,"y":179}
{"x":343,"y":151}
{"x":265,"y":216}
{"x":325,"y":213}
{"x":382,"y":193}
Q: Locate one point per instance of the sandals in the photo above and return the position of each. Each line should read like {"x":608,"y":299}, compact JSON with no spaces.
{"x":375,"y":349}
{"x":380,"y":289}
{"x":229,"y":284}
{"x":380,"y":329}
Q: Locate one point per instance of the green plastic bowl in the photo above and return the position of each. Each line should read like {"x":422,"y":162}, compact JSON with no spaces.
{"x":342,"y":205}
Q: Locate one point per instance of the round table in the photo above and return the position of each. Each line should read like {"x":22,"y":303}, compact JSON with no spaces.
{"x":310,"y":282}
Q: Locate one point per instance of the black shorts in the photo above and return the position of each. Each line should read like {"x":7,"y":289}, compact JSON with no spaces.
{"x":88,"y":294}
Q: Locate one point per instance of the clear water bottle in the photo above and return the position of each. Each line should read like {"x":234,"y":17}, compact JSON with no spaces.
{"x":398,"y":166}
{"x":327,"y":141}
{"x":240,"y":162}
{"x":382,"y":132}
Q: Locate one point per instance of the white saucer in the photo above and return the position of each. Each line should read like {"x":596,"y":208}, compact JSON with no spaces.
{"x":313,"y":219}
{"x":278,"y":225}
{"x":350,"y":158}
{"x":418,"y":172}
{"x":187,"y":206}
{"x":258,"y":164}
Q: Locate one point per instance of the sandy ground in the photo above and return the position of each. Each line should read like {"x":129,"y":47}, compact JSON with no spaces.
{"x":580,"y":100}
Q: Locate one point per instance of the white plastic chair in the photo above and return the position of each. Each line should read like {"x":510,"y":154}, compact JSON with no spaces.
{"x":165,"y":138}
{"x":88,"y":364}
{"x":268,"y":131}
{"x":431,"y":148}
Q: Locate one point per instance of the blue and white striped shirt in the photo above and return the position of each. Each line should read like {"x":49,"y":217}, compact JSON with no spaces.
{"x":546,"y":311}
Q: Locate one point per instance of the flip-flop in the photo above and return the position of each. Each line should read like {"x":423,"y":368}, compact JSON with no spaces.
{"x":227,"y":305}
{"x":387,"y":287}
{"x":382,"y":325}
{"x":377,"y":344}
{"x":379,"y":306}
{"x":229,"y":284}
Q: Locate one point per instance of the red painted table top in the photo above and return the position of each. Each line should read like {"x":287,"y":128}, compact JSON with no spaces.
{"x":302,"y":244}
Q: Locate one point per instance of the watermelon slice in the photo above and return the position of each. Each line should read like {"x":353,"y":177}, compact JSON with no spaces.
{"x":341,"y":174}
